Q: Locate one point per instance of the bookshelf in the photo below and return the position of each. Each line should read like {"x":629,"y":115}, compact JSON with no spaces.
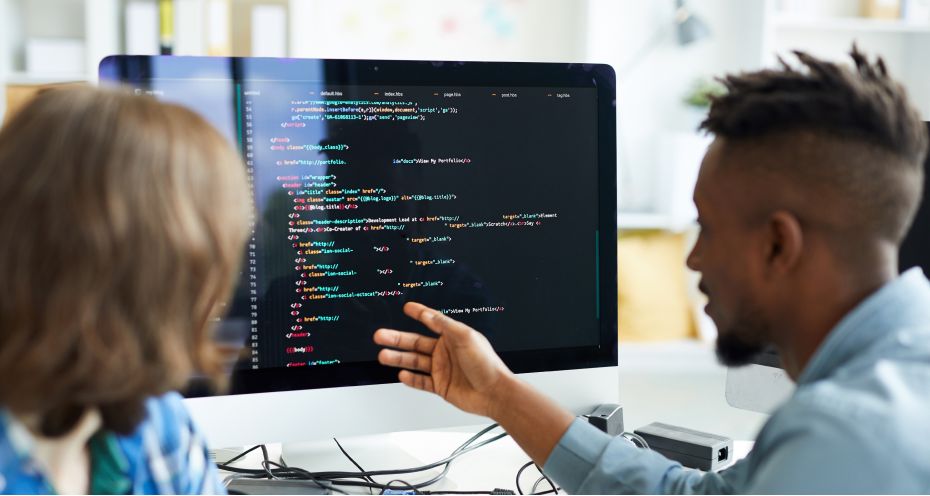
{"x":80,"y":31}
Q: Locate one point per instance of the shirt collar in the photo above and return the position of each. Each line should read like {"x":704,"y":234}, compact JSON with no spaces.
{"x":16,"y":435}
{"x":19,"y":472}
{"x":893,"y":306}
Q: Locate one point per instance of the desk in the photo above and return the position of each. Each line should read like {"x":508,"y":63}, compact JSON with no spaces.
{"x":492,"y":466}
{"x":656,"y":381}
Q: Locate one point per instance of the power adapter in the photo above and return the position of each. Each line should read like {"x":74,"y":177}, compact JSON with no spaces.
{"x":689,"y":447}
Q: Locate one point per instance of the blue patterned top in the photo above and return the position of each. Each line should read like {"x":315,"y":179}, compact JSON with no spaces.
{"x":165,"y":455}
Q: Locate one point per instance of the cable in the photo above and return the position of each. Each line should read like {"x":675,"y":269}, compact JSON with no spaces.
{"x":535,"y":484}
{"x":273,"y":470}
{"x":551,"y":484}
{"x":226,"y":465}
{"x":405,"y":483}
{"x":636,"y":439}
{"x":240,"y":455}
{"x":519,"y":472}
{"x":359,"y":467}
{"x":307,"y":476}
{"x":266,"y":461}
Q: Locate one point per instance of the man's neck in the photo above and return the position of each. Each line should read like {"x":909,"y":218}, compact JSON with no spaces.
{"x":821,"y":306}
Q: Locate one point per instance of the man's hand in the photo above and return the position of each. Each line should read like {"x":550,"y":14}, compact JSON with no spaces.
{"x":459,"y":365}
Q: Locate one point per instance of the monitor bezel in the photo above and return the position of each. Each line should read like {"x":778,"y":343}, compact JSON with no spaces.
{"x":136,"y":69}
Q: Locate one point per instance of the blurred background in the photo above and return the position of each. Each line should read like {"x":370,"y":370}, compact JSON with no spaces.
{"x":666,"y":54}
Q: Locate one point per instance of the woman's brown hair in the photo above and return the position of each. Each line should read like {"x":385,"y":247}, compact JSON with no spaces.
{"x":122,"y":223}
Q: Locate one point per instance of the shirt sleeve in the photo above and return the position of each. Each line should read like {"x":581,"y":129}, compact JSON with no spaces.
{"x":588,"y":461}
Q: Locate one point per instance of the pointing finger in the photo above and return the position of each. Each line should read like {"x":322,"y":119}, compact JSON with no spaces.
{"x":435,"y":320}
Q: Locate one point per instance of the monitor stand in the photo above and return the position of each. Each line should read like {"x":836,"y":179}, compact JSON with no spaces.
{"x":385,"y":452}
{"x":372,"y":452}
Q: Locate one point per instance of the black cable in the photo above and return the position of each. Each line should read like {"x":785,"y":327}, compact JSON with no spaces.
{"x":459,"y":451}
{"x":462,"y":449}
{"x":307,"y":476}
{"x":340,"y":475}
{"x":274,"y":470}
{"x":266,"y":460}
{"x":226,"y":465}
{"x":405,"y":483}
{"x":551,"y":484}
{"x":240,"y":455}
{"x":359,"y":467}
{"x":519,"y":472}
{"x":535,"y":484}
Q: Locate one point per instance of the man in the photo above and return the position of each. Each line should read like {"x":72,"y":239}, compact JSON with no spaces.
{"x":804,"y":196}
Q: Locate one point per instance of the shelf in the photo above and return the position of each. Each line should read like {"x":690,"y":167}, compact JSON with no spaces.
{"x":644,"y":220}
{"x":858,"y":24}
{"x":27,"y":78}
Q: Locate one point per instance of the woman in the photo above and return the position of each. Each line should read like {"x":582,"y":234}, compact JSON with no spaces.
{"x":122,"y":222}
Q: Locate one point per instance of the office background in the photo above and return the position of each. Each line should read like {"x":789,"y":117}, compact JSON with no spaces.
{"x":666,"y":54}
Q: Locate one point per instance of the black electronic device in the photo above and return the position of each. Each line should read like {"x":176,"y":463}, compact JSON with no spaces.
{"x":689,"y":447}
{"x":486,"y":190}
{"x":607,"y":417}
{"x":915,"y":250}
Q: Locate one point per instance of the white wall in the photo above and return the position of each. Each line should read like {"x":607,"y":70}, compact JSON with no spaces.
{"x":541,"y":30}
{"x":654,"y":73}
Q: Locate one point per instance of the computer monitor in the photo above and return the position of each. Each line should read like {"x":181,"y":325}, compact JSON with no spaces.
{"x":915,"y":250}
{"x":486,"y":190}
{"x":763,"y":385}
{"x":760,"y":386}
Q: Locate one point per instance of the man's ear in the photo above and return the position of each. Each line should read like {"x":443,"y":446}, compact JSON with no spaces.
{"x":784,"y":241}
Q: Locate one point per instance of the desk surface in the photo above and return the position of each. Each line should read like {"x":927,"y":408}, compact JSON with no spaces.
{"x":655,"y":382}
{"x":488,"y":467}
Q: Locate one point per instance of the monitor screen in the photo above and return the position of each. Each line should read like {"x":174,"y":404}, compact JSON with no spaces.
{"x":915,"y":250}
{"x":485,"y":190}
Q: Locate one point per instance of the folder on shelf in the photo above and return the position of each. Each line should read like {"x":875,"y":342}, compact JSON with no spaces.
{"x":142,"y":27}
{"x":269,"y":31}
{"x":190,"y":23}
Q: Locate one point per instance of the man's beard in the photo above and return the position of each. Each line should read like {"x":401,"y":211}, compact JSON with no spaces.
{"x":742,"y":342}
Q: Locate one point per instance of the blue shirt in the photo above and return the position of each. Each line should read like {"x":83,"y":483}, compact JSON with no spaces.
{"x":858,"y":422}
{"x":165,"y":455}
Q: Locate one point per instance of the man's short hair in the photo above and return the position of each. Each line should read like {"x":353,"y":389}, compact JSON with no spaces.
{"x":862,"y":138}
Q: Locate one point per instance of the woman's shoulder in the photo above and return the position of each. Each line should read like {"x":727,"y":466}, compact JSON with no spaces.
{"x":169,"y":419}
{"x":170,"y":451}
